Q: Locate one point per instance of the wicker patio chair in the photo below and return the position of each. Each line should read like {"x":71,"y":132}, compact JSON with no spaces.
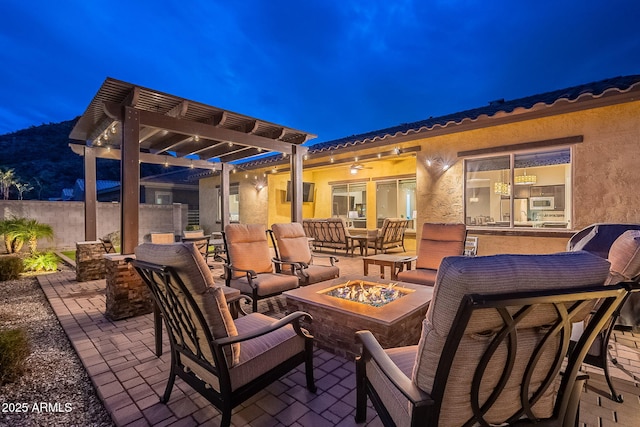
{"x":292,"y":244}
{"x":227,"y":361}
{"x":493,"y":344}
{"x":250,"y":266}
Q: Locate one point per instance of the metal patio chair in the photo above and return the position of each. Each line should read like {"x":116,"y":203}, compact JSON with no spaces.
{"x":250,"y":266}
{"x":493,"y":344}
{"x":226,"y":360}
{"x":291,"y":244}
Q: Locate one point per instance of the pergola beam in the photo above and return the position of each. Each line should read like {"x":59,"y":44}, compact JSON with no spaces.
{"x":116,"y":154}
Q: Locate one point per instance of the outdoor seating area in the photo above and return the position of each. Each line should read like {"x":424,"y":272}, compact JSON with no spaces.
{"x":119,"y":356}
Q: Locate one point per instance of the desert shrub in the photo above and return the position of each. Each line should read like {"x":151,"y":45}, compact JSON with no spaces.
{"x":41,"y":261}
{"x":14,"y":349}
{"x":10,"y":268}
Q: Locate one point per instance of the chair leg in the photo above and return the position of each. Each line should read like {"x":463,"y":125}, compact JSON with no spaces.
{"x":226,"y":417}
{"x":308,"y":366}
{"x":157,"y":324}
{"x":170,"y":382}
{"x":572,"y":416}
{"x":361,"y":393}
{"x":614,"y":394}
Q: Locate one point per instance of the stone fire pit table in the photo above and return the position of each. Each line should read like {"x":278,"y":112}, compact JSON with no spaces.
{"x":336,"y":320}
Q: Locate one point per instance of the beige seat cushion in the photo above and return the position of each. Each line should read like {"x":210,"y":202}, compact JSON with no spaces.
{"x":258,"y":355}
{"x":495,"y":274}
{"x":438,"y":241}
{"x":248,"y":248}
{"x":196,"y":276}
{"x":266,"y":283}
{"x":422,"y":276}
{"x":624,"y":256}
{"x":319,"y":273}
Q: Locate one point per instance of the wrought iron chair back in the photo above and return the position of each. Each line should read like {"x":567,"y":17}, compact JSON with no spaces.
{"x":202,"y":360}
{"x":551,"y":313}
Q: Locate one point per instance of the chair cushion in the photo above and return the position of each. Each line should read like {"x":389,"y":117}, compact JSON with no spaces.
{"x":293,"y":244}
{"x":319,"y":273}
{"x":395,"y":402}
{"x":266,"y":283}
{"x":192,"y":269}
{"x":624,"y":256}
{"x":495,"y":274}
{"x":248,"y":248}
{"x":438,"y":241}
{"x":422,"y":276}
{"x":259,"y":355}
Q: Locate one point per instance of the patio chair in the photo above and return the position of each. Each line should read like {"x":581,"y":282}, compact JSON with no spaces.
{"x":493,"y":344}
{"x":199,"y":239}
{"x":107,"y":245}
{"x":225,"y":360}
{"x":390,"y":235}
{"x":437,"y":241}
{"x":250,"y":266}
{"x":624,"y":256}
{"x":292,"y":244}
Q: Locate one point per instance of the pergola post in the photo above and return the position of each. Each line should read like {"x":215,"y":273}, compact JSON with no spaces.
{"x":224,"y":195}
{"x":296,"y":183}
{"x":90,"y":196}
{"x":130,"y":180}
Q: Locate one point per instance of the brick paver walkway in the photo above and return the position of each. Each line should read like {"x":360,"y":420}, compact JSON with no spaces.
{"x":129,"y":378}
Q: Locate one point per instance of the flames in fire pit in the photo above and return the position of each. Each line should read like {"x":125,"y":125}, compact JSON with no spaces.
{"x":373,"y":294}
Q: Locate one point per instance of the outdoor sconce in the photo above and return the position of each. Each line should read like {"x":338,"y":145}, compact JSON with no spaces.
{"x":259,"y":185}
{"x":439,"y":164}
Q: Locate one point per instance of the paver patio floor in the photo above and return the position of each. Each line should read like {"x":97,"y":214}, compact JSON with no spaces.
{"x":120,"y":360}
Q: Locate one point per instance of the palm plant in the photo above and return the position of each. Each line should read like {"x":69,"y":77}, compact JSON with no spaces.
{"x":9,"y":230}
{"x":7,"y":179}
{"x":17,"y":231}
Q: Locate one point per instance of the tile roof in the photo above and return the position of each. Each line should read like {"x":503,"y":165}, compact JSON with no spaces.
{"x":572,"y":94}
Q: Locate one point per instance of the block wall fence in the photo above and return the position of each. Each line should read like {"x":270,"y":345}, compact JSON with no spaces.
{"x":67,"y":219}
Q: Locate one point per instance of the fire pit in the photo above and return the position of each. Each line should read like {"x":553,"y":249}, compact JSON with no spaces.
{"x":336,"y":320}
{"x":369,"y":293}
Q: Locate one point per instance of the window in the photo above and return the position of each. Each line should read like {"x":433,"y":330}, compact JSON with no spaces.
{"x":349,"y":201}
{"x":234,"y":204}
{"x":163,"y":198}
{"x":396,"y":199}
{"x":519,"y":190}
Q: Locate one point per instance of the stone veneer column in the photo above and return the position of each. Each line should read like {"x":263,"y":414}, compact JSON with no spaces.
{"x":89,"y":261}
{"x":126,"y":293}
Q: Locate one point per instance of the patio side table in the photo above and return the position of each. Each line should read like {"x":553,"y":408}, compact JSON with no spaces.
{"x":396,"y":263}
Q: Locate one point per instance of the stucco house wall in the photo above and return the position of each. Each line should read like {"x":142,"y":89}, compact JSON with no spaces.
{"x":603,"y":182}
{"x":604,"y":176}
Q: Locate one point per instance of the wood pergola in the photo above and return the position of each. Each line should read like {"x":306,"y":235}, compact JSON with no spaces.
{"x":134,"y":124}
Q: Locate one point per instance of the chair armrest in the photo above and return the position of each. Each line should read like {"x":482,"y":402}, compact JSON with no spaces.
{"x":250,"y":273}
{"x":332,"y":259}
{"x":294,"y":265}
{"x":372,"y":349}
{"x":293,"y":318}
{"x":235,"y":302}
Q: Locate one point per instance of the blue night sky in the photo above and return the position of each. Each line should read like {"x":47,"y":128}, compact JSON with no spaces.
{"x":333,"y":68}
